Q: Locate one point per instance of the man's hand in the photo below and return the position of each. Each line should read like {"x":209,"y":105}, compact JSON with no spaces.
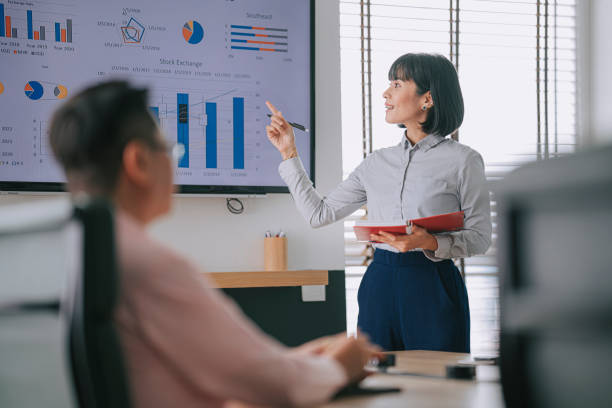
{"x":353,"y":354}
{"x":317,"y":346}
{"x":419,"y":238}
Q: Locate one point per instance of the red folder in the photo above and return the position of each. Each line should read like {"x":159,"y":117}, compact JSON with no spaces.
{"x":437,"y":223}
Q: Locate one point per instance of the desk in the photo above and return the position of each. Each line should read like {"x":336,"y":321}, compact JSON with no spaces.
{"x":425,"y":392}
{"x":265,"y":279}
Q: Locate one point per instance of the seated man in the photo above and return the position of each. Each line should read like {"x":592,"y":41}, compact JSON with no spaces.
{"x":186,"y":345}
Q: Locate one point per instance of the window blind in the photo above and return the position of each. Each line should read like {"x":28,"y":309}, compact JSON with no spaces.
{"x":516,"y":62}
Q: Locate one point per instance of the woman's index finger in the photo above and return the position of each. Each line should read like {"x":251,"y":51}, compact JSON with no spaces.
{"x":272,"y":108}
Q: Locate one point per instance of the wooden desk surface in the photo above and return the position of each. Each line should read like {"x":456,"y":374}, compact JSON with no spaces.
{"x":484,"y":391}
{"x":265,"y":279}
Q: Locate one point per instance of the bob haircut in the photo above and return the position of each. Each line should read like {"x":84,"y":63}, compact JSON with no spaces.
{"x":436,"y":74}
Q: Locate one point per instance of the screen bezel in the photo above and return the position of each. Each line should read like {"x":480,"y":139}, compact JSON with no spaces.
{"x":50,"y":187}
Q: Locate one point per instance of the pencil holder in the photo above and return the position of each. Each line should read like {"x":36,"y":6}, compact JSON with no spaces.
{"x":275,"y":254}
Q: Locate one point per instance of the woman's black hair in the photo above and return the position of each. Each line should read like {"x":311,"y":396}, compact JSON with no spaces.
{"x":436,"y":74}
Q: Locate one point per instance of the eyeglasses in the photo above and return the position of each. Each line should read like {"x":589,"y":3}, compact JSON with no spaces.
{"x":176,"y":151}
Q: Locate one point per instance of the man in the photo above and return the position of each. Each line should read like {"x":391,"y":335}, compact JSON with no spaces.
{"x":186,"y":345}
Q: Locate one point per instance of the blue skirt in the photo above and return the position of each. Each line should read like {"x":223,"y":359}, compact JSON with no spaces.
{"x":408,"y":302}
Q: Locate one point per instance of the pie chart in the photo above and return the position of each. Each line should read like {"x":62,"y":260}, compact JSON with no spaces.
{"x":60,"y":92}
{"x":34,"y":90}
{"x":1,"y":88}
{"x":193,"y":32}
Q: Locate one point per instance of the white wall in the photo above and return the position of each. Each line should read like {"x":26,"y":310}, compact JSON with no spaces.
{"x":203,"y":229}
{"x":594,"y":71}
{"x":601,"y":70}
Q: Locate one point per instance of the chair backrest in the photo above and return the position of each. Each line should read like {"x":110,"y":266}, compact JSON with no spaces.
{"x":555,"y":237}
{"x":58,"y":291}
{"x":98,"y":365}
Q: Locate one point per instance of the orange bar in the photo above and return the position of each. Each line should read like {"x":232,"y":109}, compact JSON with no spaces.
{"x":258,"y":28}
{"x":260,"y":35}
{"x":266,"y":49}
{"x":7,"y":23}
{"x":63,"y":35}
{"x":260,"y":42}
{"x":36,"y":35}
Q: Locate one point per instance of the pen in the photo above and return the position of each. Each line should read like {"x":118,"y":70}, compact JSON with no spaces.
{"x":295,"y":125}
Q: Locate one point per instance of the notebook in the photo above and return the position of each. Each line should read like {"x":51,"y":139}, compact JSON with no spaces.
{"x":434,"y":224}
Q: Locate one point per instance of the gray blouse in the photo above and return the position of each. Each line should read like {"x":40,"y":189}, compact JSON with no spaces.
{"x":403,"y":182}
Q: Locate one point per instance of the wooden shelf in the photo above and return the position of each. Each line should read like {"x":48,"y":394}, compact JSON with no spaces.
{"x":265,"y":279}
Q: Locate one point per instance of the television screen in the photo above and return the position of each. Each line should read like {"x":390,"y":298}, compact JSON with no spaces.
{"x":210,"y":65}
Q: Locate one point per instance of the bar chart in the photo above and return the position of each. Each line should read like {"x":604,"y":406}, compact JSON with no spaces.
{"x":211,"y":135}
{"x":182,"y":126}
{"x":238,"y":133}
{"x":262,"y":39}
{"x":63,"y":30}
{"x":63,"y":34}
{"x":199,"y":128}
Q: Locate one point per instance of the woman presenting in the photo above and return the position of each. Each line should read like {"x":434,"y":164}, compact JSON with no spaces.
{"x":412,"y":295}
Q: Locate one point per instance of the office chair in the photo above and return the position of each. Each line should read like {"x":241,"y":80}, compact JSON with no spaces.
{"x":555,"y":235}
{"x":58,"y":291}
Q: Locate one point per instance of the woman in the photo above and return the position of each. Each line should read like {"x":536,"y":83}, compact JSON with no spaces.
{"x":412,"y":296}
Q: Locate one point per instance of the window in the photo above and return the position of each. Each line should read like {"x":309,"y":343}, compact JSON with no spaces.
{"x":517,"y":67}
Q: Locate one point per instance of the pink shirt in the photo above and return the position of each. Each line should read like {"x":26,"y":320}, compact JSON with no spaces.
{"x":186,"y":345}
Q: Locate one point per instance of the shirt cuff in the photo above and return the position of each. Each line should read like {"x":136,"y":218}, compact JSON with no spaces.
{"x":290,"y":167}
{"x":444,"y":245}
{"x":443,"y":251}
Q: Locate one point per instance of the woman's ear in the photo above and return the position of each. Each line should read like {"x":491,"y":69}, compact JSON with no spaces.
{"x":428,"y":99}
{"x":136,"y":163}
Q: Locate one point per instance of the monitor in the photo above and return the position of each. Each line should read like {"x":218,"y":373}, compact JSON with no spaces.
{"x":210,"y":66}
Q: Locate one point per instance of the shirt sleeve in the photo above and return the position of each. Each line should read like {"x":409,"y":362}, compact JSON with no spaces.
{"x":204,"y":338}
{"x":318,"y":210}
{"x":475,"y":238}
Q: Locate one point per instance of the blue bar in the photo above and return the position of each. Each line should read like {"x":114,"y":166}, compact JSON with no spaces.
{"x":182,"y":126}
{"x":211,"y":135}
{"x":58,"y":33}
{"x":239,"y":41}
{"x":235,"y":47}
{"x":155,"y":112}
{"x":30,"y":26}
{"x":247,"y":34}
{"x":2,"y":29}
{"x":239,"y":133}
{"x":242,"y":27}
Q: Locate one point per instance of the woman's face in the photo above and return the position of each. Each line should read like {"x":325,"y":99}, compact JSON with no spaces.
{"x":403,"y":104}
